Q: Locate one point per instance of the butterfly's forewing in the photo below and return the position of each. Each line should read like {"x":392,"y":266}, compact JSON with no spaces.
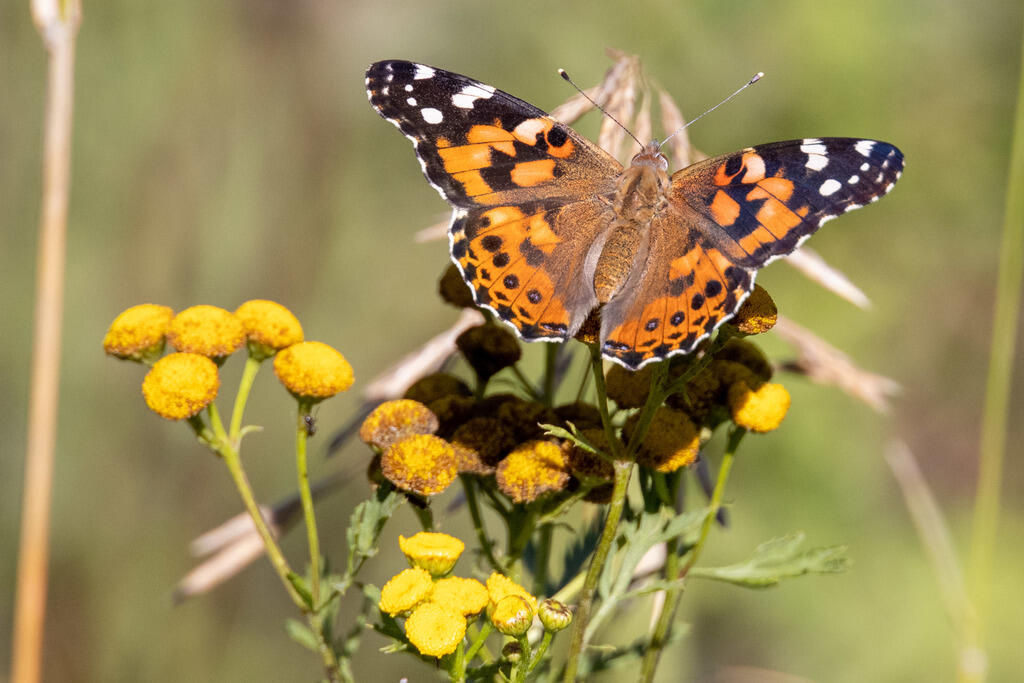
{"x":526,"y":191}
{"x":762,"y":202}
{"x":728,"y":217}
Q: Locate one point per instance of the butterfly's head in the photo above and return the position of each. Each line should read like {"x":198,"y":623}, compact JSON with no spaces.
{"x":651,"y":156}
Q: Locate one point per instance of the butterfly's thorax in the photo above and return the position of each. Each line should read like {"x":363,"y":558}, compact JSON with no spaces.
{"x":639,"y":196}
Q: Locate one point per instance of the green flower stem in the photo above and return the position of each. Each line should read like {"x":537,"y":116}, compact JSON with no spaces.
{"x":525,"y":383}
{"x":668,"y":610}
{"x":548,"y":391}
{"x":542,"y":649}
{"x":473,"y":503}
{"x":457,"y":670}
{"x":425,"y":516}
{"x":306,"y":496}
{"x":540,"y":574}
{"x":252,"y":366}
{"x":274,"y":554}
{"x":517,"y":542}
{"x":597,"y":371}
{"x":479,"y":640}
{"x":523,"y":667}
{"x":1006,"y":313}
{"x":623,"y":469}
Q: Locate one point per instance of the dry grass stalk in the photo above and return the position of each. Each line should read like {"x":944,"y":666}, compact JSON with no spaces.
{"x":825,"y":364}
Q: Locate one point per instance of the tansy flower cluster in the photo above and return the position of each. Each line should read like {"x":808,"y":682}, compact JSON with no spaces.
{"x":183,"y":383}
{"x":437,"y":608}
{"x":443,"y":428}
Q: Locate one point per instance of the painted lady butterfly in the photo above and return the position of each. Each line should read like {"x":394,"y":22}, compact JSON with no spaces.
{"x":548,"y":226}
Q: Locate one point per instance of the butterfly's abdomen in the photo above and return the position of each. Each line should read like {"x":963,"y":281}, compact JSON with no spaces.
{"x":616,"y":259}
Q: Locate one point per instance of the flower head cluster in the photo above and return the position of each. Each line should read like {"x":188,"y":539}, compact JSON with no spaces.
{"x":180,"y":385}
{"x":436,"y":607}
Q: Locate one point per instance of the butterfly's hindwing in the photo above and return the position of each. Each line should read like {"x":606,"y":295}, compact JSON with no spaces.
{"x":687,"y":289}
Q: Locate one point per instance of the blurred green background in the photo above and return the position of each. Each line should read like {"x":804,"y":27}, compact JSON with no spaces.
{"x":226,"y":151}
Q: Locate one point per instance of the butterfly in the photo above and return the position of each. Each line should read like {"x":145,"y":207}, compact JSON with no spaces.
{"x":547,"y":226}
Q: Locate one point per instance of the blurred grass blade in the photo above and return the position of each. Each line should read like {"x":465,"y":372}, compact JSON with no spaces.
{"x":1000,"y":371}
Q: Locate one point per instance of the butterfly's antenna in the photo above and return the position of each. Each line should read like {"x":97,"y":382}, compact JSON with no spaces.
{"x":563,"y":74}
{"x":746,"y":85}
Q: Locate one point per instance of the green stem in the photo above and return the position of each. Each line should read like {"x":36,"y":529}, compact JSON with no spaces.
{"x":542,"y":649}
{"x":252,"y":366}
{"x":478,"y":642}
{"x":997,"y":389}
{"x":540,"y":574}
{"x":597,"y":372}
{"x":274,"y":554}
{"x":473,"y":503}
{"x":548,"y":391}
{"x":306,"y":496}
{"x":668,"y":610}
{"x":457,"y":671}
{"x":623,"y":469}
{"x":425,"y":516}
{"x":523,"y":667}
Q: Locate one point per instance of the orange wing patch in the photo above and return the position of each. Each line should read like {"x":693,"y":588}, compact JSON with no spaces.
{"x":502,"y":258}
{"x":529,"y":173}
{"x":694,"y":295}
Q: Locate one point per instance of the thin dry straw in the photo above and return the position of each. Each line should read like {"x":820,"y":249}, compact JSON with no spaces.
{"x":57,"y":23}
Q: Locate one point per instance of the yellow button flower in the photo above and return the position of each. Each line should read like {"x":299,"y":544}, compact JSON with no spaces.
{"x":405,"y":590}
{"x":421,"y":463}
{"x":138,"y":332}
{"x":672,"y":440}
{"x":759,"y":410}
{"x":513,"y":615}
{"x":467,"y":596}
{"x":435,"y":630}
{"x":433,"y":552}
{"x":500,"y":586}
{"x":531,"y":470}
{"x":207,"y":330}
{"x":269,"y":326}
{"x":313,"y":370}
{"x":180,"y":385}
{"x":392,"y":421}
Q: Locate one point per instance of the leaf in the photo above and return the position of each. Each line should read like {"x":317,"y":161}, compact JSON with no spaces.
{"x":635,"y":539}
{"x":572,"y":434}
{"x":299,"y":584}
{"x":300,"y":633}
{"x":367,"y":522}
{"x":778,"y":559}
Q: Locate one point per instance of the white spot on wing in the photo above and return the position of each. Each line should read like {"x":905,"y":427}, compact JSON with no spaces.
{"x":431,"y":115}
{"x":854,"y":179}
{"x":816,"y":152}
{"x":865,"y":166}
{"x":864,"y":147}
{"x":411,"y":101}
{"x":470,"y":94}
{"x":829,"y":187}
{"x":423,"y":71}
{"x":408,"y":87}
